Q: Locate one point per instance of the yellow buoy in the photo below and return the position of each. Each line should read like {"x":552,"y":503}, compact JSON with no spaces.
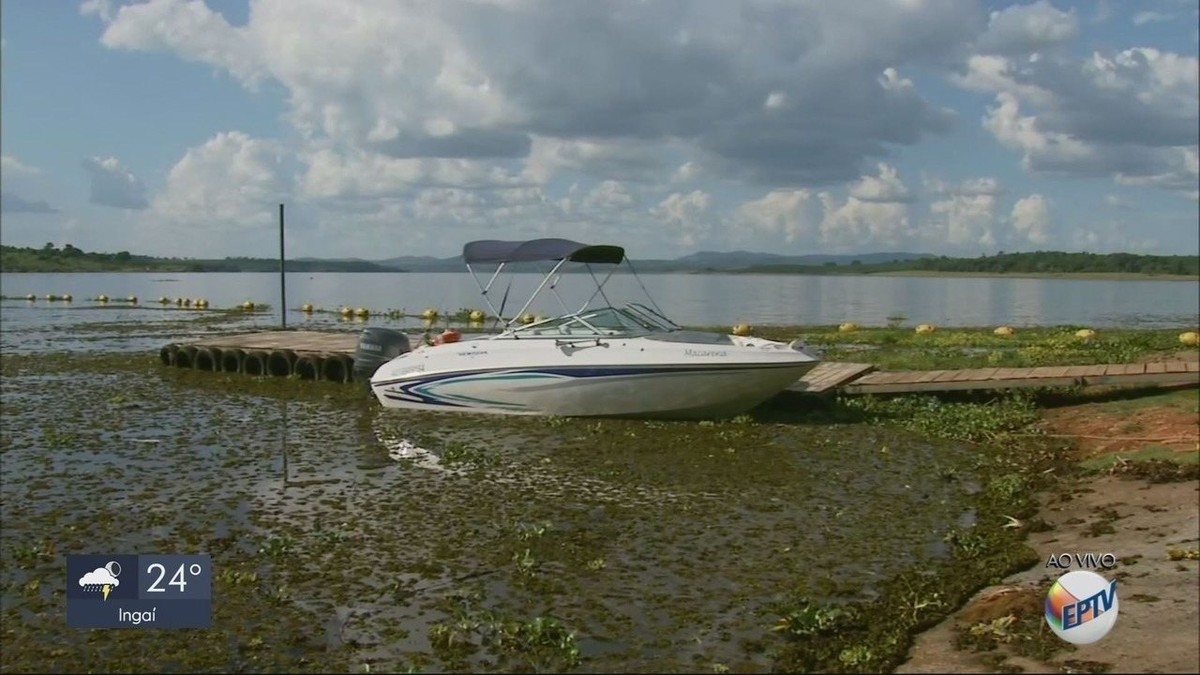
{"x":527,"y":318}
{"x":429,"y":314}
{"x":1085,"y":333}
{"x":131,"y":299}
{"x":102,"y":298}
{"x":67,"y":298}
{"x":248,"y":306}
{"x":51,"y":297}
{"x":306,"y":308}
{"x":476,"y":316}
{"x":31,"y":297}
{"x":1004,"y":331}
{"x":186,"y":302}
{"x":201,"y":303}
{"x":925,"y":328}
{"x":162,"y":300}
{"x":345,"y":311}
{"x":848,"y":327}
{"x":741,"y":329}
{"x":362,"y":312}
{"x":1190,"y":338}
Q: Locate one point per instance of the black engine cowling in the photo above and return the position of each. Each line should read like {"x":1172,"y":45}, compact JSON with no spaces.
{"x":377,"y":346}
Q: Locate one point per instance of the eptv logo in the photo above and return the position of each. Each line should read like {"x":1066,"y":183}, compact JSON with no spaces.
{"x":1081,"y":607}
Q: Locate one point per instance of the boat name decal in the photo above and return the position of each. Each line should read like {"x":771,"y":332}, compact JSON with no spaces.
{"x":472,"y":352}
{"x":705,"y":352}
{"x":420,"y":367}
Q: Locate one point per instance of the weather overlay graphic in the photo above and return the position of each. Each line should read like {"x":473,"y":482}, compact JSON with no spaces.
{"x":1081,"y":607}
{"x":139,"y":591}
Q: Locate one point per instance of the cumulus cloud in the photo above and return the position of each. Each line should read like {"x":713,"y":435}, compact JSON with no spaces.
{"x":792,"y":214}
{"x":875,"y":211}
{"x":963,"y":214}
{"x":1132,"y":116}
{"x":1031,"y":218}
{"x":689,"y":214}
{"x":114,"y":185}
{"x":1028,"y":28}
{"x":493,"y":80}
{"x":230,"y":180}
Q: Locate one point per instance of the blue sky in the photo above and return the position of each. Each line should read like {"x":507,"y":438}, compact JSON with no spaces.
{"x":175,"y":127}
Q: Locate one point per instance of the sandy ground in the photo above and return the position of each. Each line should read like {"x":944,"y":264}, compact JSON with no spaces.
{"x":1158,"y":628}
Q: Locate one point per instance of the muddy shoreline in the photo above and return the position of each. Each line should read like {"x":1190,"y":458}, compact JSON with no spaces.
{"x":346,"y":538}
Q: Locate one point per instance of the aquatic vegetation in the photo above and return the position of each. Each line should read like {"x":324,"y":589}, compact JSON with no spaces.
{"x":761,"y":542}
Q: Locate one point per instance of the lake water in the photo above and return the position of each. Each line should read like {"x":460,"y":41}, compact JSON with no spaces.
{"x":691,"y":299}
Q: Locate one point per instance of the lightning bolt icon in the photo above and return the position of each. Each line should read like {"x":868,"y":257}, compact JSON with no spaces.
{"x":106,"y":589}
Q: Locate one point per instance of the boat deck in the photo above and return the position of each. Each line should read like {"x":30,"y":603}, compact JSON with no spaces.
{"x":327,"y":355}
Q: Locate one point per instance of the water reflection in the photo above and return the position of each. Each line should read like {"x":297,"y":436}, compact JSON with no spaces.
{"x":695,"y":299}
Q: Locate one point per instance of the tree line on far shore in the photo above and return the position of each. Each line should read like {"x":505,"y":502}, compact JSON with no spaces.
{"x":1036,"y":262}
{"x":50,"y":258}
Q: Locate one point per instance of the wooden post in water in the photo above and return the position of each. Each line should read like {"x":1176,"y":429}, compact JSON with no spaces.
{"x":282,"y":276}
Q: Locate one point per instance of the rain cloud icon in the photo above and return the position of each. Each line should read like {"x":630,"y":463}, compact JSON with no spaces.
{"x":102,"y":578}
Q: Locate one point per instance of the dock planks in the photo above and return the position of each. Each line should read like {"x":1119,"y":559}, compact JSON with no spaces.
{"x":299,"y":341}
{"x":827,"y":377}
{"x":898,"y":382}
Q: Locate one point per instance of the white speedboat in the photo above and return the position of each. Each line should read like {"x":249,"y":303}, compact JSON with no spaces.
{"x":601,"y":361}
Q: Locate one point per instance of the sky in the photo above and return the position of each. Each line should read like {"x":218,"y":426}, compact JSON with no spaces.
{"x":390,"y":128}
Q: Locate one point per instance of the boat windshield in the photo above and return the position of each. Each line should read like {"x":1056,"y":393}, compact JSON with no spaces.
{"x":632,"y":320}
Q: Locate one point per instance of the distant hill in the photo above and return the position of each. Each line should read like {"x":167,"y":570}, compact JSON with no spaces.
{"x":49,"y":258}
{"x":701,"y":261}
{"x":740,"y":259}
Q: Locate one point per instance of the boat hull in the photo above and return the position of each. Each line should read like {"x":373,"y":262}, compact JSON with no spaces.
{"x":686,"y":391}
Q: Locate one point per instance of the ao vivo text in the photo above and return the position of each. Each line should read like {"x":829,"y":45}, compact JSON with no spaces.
{"x":1082,"y":561}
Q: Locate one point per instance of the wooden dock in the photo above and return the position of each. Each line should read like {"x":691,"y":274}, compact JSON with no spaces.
{"x":328,"y":356}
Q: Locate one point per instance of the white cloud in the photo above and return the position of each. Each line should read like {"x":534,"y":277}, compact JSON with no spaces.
{"x":187,"y":27}
{"x":1133,"y":116}
{"x":964,"y":214}
{"x":1028,"y":28}
{"x":1142,"y":18}
{"x":794,"y":214}
{"x":1031,"y":218}
{"x":603,"y":158}
{"x":230,"y":181}
{"x":874,"y":213}
{"x":100,"y":8}
{"x":362,"y":174}
{"x":609,"y":195}
{"x":487,"y":80}
{"x":963,"y":220}
{"x":886,"y":187}
{"x":689,"y":214}
{"x":114,"y":185}
{"x":669,"y":123}
{"x":11,"y":166}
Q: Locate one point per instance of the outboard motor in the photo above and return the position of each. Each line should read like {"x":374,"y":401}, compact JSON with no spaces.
{"x":377,"y":346}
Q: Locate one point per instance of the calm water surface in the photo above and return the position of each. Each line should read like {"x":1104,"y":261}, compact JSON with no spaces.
{"x":693,"y":299}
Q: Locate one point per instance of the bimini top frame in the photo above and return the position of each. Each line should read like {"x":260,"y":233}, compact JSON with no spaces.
{"x":558,"y":251}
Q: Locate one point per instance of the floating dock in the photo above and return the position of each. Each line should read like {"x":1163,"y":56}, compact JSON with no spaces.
{"x":314,"y":355}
